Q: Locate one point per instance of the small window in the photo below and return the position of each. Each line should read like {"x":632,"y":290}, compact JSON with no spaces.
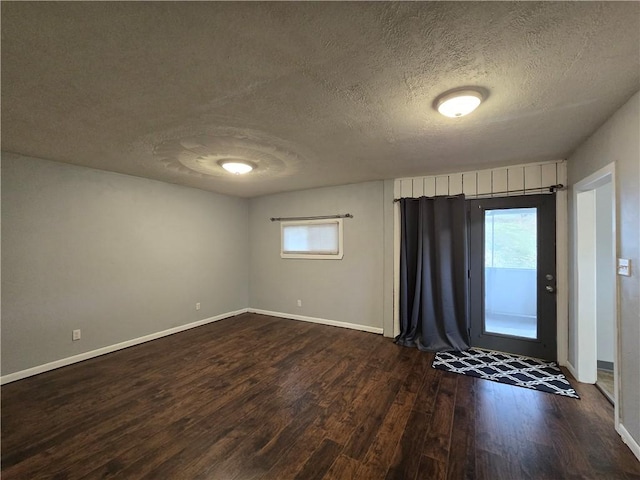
{"x":317,"y":239}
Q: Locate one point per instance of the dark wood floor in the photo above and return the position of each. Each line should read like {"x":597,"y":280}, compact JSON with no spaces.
{"x":259,"y":397}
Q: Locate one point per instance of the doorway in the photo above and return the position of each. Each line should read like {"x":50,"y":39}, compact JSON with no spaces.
{"x":513,"y":275}
{"x":595,"y":314}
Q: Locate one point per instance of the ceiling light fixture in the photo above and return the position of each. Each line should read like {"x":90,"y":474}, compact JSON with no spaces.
{"x":237,"y":167}
{"x":458,"y":102}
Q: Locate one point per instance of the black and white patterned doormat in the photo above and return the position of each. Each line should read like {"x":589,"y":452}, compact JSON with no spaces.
{"x":505,"y":368}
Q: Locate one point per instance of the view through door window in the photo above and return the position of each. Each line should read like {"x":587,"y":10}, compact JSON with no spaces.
{"x":510,"y":272}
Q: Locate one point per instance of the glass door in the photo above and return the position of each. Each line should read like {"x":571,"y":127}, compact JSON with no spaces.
{"x":512,"y":275}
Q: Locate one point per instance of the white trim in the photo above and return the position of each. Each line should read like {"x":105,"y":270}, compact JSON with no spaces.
{"x":322,"y":321}
{"x":314,"y":255}
{"x":617,"y":325}
{"x":628,"y":439}
{"x":29,"y":372}
{"x":533,"y":164}
{"x":562,"y":270}
{"x":585,"y":285}
{"x":586,"y":331}
{"x":584,"y":242}
{"x":396,"y":269}
{"x":571,"y":369}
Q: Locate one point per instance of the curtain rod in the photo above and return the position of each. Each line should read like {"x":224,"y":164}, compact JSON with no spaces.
{"x":552,"y":189}
{"x":319,"y":217}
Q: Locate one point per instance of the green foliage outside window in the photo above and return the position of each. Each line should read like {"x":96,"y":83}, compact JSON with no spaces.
{"x":510,"y":238}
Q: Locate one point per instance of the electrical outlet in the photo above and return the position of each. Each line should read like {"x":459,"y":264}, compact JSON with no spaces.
{"x":299,"y":303}
{"x":75,"y":335}
{"x":198,"y":306}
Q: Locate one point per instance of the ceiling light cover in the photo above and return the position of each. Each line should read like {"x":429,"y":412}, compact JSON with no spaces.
{"x":458,"y":103}
{"x":237,"y":168}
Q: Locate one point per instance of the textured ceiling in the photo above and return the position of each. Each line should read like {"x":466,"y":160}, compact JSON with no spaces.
{"x":314,"y":93}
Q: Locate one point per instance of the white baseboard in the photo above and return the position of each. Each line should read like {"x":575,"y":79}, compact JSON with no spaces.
{"x":12,"y":377}
{"x":322,"y":321}
{"x":629,"y":440}
{"x":29,"y":372}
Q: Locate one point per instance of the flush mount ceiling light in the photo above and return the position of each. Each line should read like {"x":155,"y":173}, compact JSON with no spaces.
{"x":459,"y":102}
{"x":236,"y":167}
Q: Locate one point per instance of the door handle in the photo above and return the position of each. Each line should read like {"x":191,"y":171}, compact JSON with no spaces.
{"x":549,"y":289}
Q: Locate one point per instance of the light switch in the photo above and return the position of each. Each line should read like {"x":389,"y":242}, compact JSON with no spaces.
{"x":624,"y":267}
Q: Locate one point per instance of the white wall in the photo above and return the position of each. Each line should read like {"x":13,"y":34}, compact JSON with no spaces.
{"x":350,"y":290}
{"x":116,"y":256}
{"x":618,"y":140}
{"x":605,"y":279}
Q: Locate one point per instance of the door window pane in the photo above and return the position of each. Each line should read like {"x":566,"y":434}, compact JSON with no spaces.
{"x":510,"y":272}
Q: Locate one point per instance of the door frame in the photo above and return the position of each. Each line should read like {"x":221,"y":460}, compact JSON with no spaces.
{"x":584,"y":281}
{"x":545,"y":345}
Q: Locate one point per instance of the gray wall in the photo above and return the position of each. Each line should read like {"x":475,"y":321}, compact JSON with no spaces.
{"x":118,"y":257}
{"x":618,"y":140}
{"x":605,"y":279}
{"x":348,"y":290}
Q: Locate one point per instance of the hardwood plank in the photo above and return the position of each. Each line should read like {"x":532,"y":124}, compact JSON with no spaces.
{"x":239,"y":457}
{"x":373,"y":411}
{"x":51,"y":412}
{"x":348,"y":409}
{"x":567,"y":447}
{"x":140,"y":415}
{"x":406,"y":459}
{"x":344,"y":468}
{"x":536,"y":410}
{"x":261,"y":457}
{"x":257,"y":397}
{"x":290,"y":463}
{"x":320,"y":462}
{"x":493,"y":423}
{"x":539,"y":461}
{"x":344,"y":387}
{"x":429,"y":389}
{"x":438,"y":440}
{"x":395,"y":361}
{"x":491,"y":466}
{"x":498,"y":422}
{"x":188,"y":433}
{"x":382,"y":448}
{"x":462,"y":461}
{"x":432,"y":469}
{"x":588,"y":421}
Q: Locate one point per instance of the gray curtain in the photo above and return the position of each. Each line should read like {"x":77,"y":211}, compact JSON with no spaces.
{"x":433,"y":274}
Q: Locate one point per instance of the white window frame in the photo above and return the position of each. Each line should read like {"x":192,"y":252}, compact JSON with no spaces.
{"x":313,"y":256}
